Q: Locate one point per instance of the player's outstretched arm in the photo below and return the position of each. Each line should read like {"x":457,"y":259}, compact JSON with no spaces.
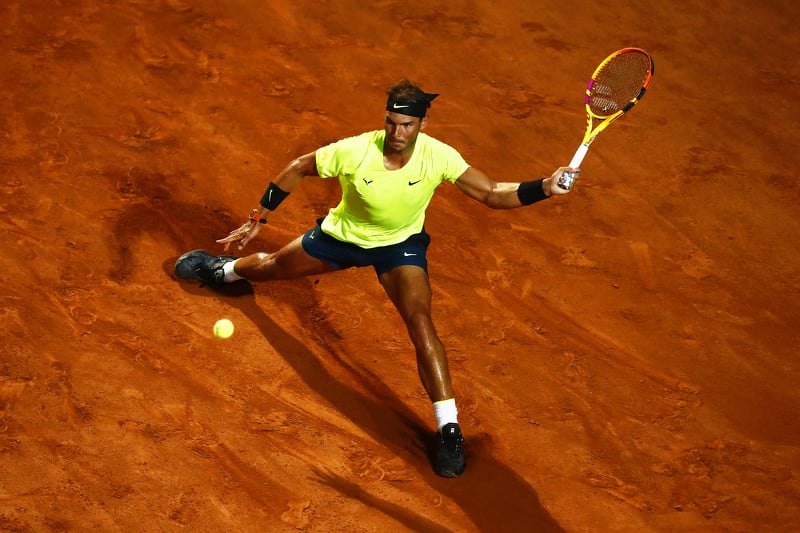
{"x":508,"y":195}
{"x":278,"y":189}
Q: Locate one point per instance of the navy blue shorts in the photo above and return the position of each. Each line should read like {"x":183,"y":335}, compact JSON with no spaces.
{"x":342,"y":255}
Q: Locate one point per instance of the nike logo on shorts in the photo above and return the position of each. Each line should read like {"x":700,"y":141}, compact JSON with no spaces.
{"x":408,"y":254}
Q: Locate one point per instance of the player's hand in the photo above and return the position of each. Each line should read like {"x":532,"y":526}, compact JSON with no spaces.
{"x":562,"y":181}
{"x":242,"y":235}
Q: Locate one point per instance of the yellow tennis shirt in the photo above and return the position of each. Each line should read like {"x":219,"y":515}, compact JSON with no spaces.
{"x":380,"y":207}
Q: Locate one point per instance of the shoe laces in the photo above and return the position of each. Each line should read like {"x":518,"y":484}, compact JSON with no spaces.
{"x":452,"y":438}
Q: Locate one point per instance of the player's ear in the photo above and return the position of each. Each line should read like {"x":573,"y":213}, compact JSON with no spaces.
{"x":423,"y":122}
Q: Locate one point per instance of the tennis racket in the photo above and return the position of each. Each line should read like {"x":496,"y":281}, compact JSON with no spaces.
{"x":615,"y":87}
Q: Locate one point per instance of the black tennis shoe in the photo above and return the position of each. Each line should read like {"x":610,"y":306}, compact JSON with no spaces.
{"x":201,"y":266}
{"x":449,"y":460}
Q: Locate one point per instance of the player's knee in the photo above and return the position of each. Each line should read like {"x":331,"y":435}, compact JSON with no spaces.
{"x":262,"y":257}
{"x":266,"y":265}
{"x":420,"y":326}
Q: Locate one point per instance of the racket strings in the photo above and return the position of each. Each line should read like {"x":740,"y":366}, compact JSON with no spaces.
{"x":617,"y":82}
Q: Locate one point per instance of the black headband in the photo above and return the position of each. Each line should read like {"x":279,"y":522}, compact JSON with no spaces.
{"x":413,"y":109}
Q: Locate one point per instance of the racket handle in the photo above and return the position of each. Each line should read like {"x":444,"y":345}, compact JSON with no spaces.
{"x":580,"y":153}
{"x":568,"y":177}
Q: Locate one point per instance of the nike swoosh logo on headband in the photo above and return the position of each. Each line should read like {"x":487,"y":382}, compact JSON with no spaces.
{"x":395,"y":106}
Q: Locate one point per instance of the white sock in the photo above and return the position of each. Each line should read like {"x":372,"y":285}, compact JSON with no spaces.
{"x":446,"y":412}
{"x":230,"y":275}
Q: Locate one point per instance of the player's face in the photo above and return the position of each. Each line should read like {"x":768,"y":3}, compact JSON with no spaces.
{"x":401,"y":131}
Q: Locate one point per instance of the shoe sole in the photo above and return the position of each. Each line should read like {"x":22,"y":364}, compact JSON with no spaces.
{"x":450,"y":474}
{"x":454,"y":470}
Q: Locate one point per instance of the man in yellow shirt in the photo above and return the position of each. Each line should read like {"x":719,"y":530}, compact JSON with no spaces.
{"x":387,"y":178}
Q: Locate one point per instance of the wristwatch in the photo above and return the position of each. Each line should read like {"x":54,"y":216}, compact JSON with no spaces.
{"x":255,"y":218}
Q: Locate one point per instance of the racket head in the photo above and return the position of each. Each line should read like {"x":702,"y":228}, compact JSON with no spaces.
{"x":619,"y":82}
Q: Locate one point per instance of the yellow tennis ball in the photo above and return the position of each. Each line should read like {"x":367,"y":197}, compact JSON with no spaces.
{"x":223,"y":328}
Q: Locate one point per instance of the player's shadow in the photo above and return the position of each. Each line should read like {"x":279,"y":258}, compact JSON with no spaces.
{"x":493,"y":496}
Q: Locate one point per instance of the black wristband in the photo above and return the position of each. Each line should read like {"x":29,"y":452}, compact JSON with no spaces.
{"x":273,"y":197}
{"x":530,"y":192}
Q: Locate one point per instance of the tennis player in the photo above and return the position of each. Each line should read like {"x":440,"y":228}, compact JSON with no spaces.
{"x":387,"y":178}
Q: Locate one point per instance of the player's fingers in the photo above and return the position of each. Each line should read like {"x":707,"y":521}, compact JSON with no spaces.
{"x":236,"y":235}
{"x":233,"y":236}
{"x":564,"y":178}
{"x":251,"y":233}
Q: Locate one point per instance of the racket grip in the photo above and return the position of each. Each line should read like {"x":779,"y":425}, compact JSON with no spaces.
{"x":580,"y":153}
{"x":568,"y":177}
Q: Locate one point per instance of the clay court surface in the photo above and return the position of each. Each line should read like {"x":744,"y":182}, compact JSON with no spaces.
{"x":625,"y":358}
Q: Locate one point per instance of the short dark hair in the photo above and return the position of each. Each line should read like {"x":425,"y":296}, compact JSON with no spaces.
{"x":405,"y":91}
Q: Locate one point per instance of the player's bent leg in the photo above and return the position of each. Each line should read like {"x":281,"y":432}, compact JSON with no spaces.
{"x":289,"y":262}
